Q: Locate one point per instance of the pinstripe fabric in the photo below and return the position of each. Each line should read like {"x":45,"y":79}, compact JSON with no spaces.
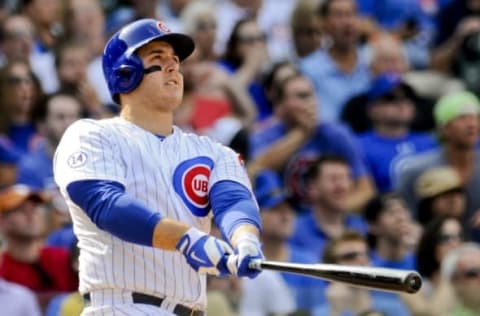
{"x":171,"y":175}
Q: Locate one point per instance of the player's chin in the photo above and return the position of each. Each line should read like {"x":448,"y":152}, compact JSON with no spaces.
{"x":173,"y":100}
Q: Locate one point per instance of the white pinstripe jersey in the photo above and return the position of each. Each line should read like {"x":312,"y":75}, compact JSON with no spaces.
{"x":172,"y":176}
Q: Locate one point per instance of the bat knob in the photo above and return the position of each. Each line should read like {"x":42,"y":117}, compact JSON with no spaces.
{"x":413,"y":282}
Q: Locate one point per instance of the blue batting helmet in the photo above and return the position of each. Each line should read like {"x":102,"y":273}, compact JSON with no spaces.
{"x":122,"y":68}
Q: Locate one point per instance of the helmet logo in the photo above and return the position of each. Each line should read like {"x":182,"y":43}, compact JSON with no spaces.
{"x":162,"y":27}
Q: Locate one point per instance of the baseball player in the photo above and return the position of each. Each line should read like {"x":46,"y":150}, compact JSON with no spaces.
{"x":142,"y":192}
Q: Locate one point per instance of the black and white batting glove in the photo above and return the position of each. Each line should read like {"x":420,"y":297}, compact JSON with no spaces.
{"x":207,"y":254}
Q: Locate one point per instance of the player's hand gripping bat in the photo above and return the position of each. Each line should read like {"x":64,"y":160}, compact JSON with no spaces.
{"x":371,"y":277}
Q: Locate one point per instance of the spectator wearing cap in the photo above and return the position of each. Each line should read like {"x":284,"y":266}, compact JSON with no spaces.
{"x":462,"y":267}
{"x":440,"y":192}
{"x":273,"y":292}
{"x":26,"y":261}
{"x":350,"y":248}
{"x":456,"y":117}
{"x":387,"y":55}
{"x":392,"y":233}
{"x":391,"y":110}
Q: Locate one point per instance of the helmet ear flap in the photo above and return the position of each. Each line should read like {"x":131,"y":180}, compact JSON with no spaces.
{"x":128,"y":75}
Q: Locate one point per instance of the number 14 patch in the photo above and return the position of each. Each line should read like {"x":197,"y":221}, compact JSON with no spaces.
{"x":77,"y":159}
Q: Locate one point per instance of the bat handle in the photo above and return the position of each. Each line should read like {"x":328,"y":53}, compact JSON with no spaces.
{"x":255,"y":264}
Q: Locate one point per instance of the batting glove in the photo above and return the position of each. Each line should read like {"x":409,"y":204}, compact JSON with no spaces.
{"x":207,"y":254}
{"x":248,"y":249}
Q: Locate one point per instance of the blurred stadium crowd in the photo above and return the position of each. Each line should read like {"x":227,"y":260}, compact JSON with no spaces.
{"x":358,"y":121}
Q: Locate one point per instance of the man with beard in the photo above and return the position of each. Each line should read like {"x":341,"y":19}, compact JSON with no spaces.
{"x":391,"y":110}
{"x":456,"y":117}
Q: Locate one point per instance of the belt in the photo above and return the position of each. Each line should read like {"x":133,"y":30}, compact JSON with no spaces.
{"x":140,"y":298}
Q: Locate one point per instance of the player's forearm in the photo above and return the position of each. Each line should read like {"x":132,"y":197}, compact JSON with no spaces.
{"x":242,"y":230}
{"x":167,"y":233}
{"x":233,"y":207}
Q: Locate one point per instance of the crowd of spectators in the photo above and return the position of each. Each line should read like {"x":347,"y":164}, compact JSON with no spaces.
{"x":358,"y":121}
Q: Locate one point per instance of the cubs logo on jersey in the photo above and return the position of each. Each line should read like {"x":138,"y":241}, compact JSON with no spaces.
{"x":190,"y":181}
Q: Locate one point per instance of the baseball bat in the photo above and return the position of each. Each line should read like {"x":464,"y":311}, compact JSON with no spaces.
{"x":395,"y":280}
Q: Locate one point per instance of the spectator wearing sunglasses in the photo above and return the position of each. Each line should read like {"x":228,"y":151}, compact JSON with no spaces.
{"x":18,"y":94}
{"x":294,"y":137}
{"x":245,"y":58}
{"x":391,"y":110}
{"x":440,"y":236}
{"x":351,"y":248}
{"x":462,"y":267}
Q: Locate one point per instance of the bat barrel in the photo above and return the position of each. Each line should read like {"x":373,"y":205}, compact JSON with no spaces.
{"x":371,"y":277}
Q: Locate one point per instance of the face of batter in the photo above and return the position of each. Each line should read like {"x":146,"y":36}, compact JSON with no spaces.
{"x":162,"y":89}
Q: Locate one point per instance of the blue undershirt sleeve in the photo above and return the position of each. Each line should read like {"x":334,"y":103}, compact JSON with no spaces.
{"x":108,"y":205}
{"x":233,"y":204}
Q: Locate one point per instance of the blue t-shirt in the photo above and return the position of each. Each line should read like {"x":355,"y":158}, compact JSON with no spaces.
{"x":309,"y":292}
{"x":9,"y":155}
{"x":310,"y":238}
{"x":36,"y":169}
{"x":334,"y":87}
{"x":381,"y":154}
{"x":390,"y":14}
{"x":407,"y":262}
{"x":21,"y":136}
{"x":328,"y":138}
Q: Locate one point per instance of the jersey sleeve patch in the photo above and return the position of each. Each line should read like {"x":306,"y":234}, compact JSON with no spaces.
{"x":190,"y":181}
{"x":77,"y":159}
